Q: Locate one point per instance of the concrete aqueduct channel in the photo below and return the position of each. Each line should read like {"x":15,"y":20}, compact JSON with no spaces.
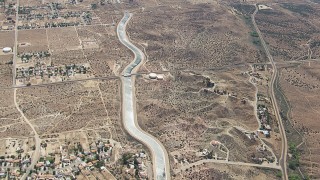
{"x":159,"y":154}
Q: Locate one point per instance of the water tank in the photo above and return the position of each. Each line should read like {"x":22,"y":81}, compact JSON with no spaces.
{"x":153,"y":76}
{"x":7,"y":49}
{"x":160,"y":77}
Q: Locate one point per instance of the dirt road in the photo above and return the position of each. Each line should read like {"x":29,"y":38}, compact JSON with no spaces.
{"x":284,"y":148}
{"x":183,"y":168}
{"x":36,"y":153}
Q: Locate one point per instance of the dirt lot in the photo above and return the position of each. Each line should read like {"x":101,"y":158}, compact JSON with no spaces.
{"x":63,"y":39}
{"x":5,"y":70}
{"x":9,"y":113}
{"x":97,"y":35}
{"x":68,"y":57}
{"x":32,"y":40}
{"x":6,"y":39}
{"x":300,"y":84}
{"x":17,"y":130}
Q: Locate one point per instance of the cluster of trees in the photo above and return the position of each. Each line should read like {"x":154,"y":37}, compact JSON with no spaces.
{"x":255,"y":37}
{"x":254,"y":34}
{"x":126,"y":157}
{"x":294,"y":161}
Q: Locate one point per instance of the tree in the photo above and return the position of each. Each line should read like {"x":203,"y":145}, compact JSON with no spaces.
{"x":94,"y":6}
{"x":210,"y":155}
{"x":294,"y":161}
{"x":293,"y":164}
{"x":99,"y":164}
{"x":279,"y":175}
{"x":254,"y":34}
{"x":51,"y":160}
{"x":97,"y":157}
{"x":294,"y":177}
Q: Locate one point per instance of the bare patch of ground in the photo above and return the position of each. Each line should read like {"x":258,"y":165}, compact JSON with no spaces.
{"x":186,"y":115}
{"x":220,"y":171}
{"x":181,"y":35}
{"x":300,"y":85}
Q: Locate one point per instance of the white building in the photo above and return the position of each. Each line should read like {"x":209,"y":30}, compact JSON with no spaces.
{"x":7,"y":49}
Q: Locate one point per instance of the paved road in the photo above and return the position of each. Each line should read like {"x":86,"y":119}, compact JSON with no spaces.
{"x":283,"y":158}
{"x":15,"y":48}
{"x":159,"y":154}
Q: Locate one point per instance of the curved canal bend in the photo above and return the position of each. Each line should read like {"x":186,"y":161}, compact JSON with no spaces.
{"x":159,"y":155}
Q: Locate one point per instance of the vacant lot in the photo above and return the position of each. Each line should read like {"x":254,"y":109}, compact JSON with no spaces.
{"x":17,"y":130}
{"x":8,"y":111}
{"x":6,"y":39}
{"x":63,"y":39}
{"x":5,"y":70}
{"x":68,"y":57}
{"x":300,"y":85}
{"x":95,"y":36}
{"x":32,"y":40}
